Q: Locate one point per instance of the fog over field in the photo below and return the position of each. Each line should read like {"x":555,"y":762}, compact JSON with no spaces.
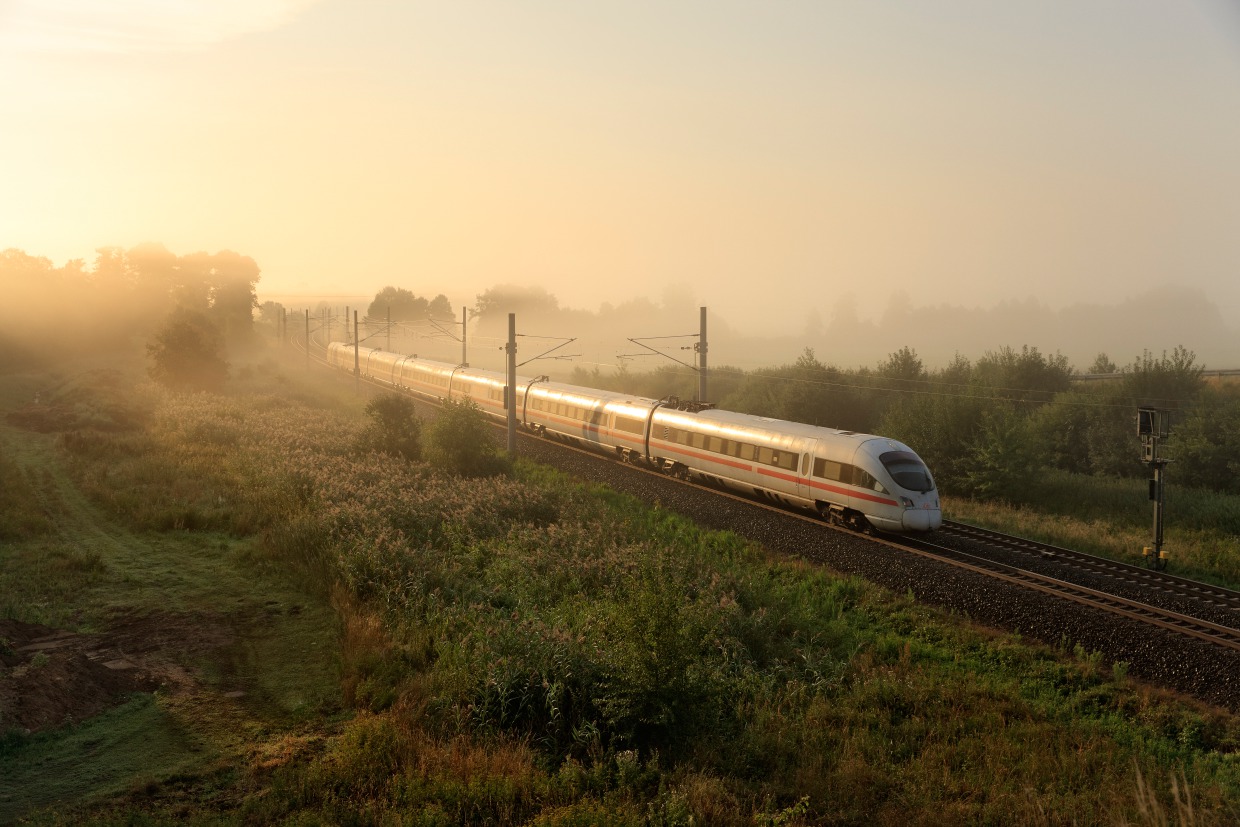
{"x":1155,"y":320}
{"x":854,"y":177}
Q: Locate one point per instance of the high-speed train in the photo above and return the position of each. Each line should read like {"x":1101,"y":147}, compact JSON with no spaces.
{"x":852,"y":479}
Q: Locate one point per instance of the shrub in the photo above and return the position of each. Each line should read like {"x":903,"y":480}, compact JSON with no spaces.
{"x":187,"y":353}
{"x":394,"y":428}
{"x":461,"y":441}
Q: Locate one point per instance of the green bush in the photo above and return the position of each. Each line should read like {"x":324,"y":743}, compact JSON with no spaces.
{"x":187,"y":353}
{"x":394,"y":427}
{"x":461,"y":441}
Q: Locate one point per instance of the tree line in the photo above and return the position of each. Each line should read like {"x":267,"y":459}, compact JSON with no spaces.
{"x":988,"y":427}
{"x":189,"y":310}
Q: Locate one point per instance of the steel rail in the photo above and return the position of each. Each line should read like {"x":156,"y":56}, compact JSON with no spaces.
{"x":1168,"y":583}
{"x":1083,"y":595}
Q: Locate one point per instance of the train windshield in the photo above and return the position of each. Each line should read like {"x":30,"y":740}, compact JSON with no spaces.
{"x":907,"y":470}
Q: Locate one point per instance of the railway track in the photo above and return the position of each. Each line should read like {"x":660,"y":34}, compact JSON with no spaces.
{"x":1195,"y":627}
{"x":1158,"y":581}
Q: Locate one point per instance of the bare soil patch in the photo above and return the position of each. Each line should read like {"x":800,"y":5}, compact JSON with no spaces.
{"x":54,"y":677}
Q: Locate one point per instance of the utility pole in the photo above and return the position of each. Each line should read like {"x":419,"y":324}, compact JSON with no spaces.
{"x":357,"y":349}
{"x":464,"y":354}
{"x":1153,"y":426}
{"x":702,"y":360}
{"x":389,"y":328}
{"x":700,"y":348}
{"x":511,"y":396}
{"x":307,"y":338}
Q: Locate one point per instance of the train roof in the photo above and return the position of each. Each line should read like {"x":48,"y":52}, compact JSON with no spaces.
{"x":742,"y":420}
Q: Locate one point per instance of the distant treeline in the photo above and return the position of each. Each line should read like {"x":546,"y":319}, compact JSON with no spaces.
{"x":988,"y":427}
{"x":124,"y":295}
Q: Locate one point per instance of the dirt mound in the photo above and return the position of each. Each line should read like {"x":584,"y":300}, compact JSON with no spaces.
{"x":51,"y":677}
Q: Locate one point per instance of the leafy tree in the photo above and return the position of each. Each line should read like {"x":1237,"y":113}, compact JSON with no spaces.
{"x":1089,"y":430}
{"x":1002,"y":457}
{"x":403,"y":305}
{"x":187,"y":352}
{"x":1206,"y":444}
{"x":1164,"y":382}
{"x":508,"y":298}
{"x":1103,"y":364}
{"x":394,"y":427}
{"x":440,"y":308}
{"x":904,"y":364}
{"x":958,"y":372}
{"x":942,"y":428}
{"x":1027,"y":374}
{"x":461,"y":441}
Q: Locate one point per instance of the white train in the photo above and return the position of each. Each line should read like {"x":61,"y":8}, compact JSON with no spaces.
{"x":852,"y":479}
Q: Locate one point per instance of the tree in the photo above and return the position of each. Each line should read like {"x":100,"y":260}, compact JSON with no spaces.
{"x":1027,"y":374}
{"x":904,"y":364}
{"x":187,"y":352}
{"x":1206,"y":445}
{"x":1103,"y":364}
{"x":1002,"y":458}
{"x":461,"y":441}
{"x":394,"y":428}
{"x":1165,"y":382}
{"x":508,"y":298}
{"x":233,"y":298}
{"x":440,"y":308}
{"x":403,"y":305}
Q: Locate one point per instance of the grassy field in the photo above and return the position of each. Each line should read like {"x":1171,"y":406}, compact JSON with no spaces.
{"x":348,"y":638}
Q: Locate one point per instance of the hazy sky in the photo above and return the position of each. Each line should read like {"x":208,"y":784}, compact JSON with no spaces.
{"x":766,"y":156}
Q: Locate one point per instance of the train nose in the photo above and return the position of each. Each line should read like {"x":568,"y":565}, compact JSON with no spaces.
{"x":922,"y":519}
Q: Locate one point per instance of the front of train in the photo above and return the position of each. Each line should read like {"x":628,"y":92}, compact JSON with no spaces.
{"x":911,"y":483}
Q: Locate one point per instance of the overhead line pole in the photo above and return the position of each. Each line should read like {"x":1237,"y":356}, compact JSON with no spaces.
{"x":511,"y":395}
{"x":702,"y":360}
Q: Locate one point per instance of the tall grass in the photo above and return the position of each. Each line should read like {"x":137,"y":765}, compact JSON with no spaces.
{"x":523,"y":649}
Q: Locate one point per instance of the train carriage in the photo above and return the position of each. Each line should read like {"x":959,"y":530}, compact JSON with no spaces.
{"x":853,"y":479}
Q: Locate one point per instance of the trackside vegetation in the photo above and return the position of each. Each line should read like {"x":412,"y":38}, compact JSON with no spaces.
{"x":511,"y":647}
{"x":1017,"y":438}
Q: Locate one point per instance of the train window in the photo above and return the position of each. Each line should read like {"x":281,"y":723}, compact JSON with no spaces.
{"x":804,"y":464}
{"x":908,"y":471}
{"x":748,"y":451}
{"x":684,"y":437}
{"x":632,"y":426}
{"x":785,"y":460}
{"x":716,"y":444}
{"x":827,"y":469}
{"x":864,"y":479}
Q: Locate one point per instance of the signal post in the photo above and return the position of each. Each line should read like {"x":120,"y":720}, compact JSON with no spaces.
{"x":1153,"y":426}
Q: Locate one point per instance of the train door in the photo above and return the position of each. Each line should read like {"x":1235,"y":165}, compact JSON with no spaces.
{"x":805,"y":468}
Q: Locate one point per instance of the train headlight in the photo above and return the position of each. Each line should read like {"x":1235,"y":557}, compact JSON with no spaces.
{"x":907,"y":502}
